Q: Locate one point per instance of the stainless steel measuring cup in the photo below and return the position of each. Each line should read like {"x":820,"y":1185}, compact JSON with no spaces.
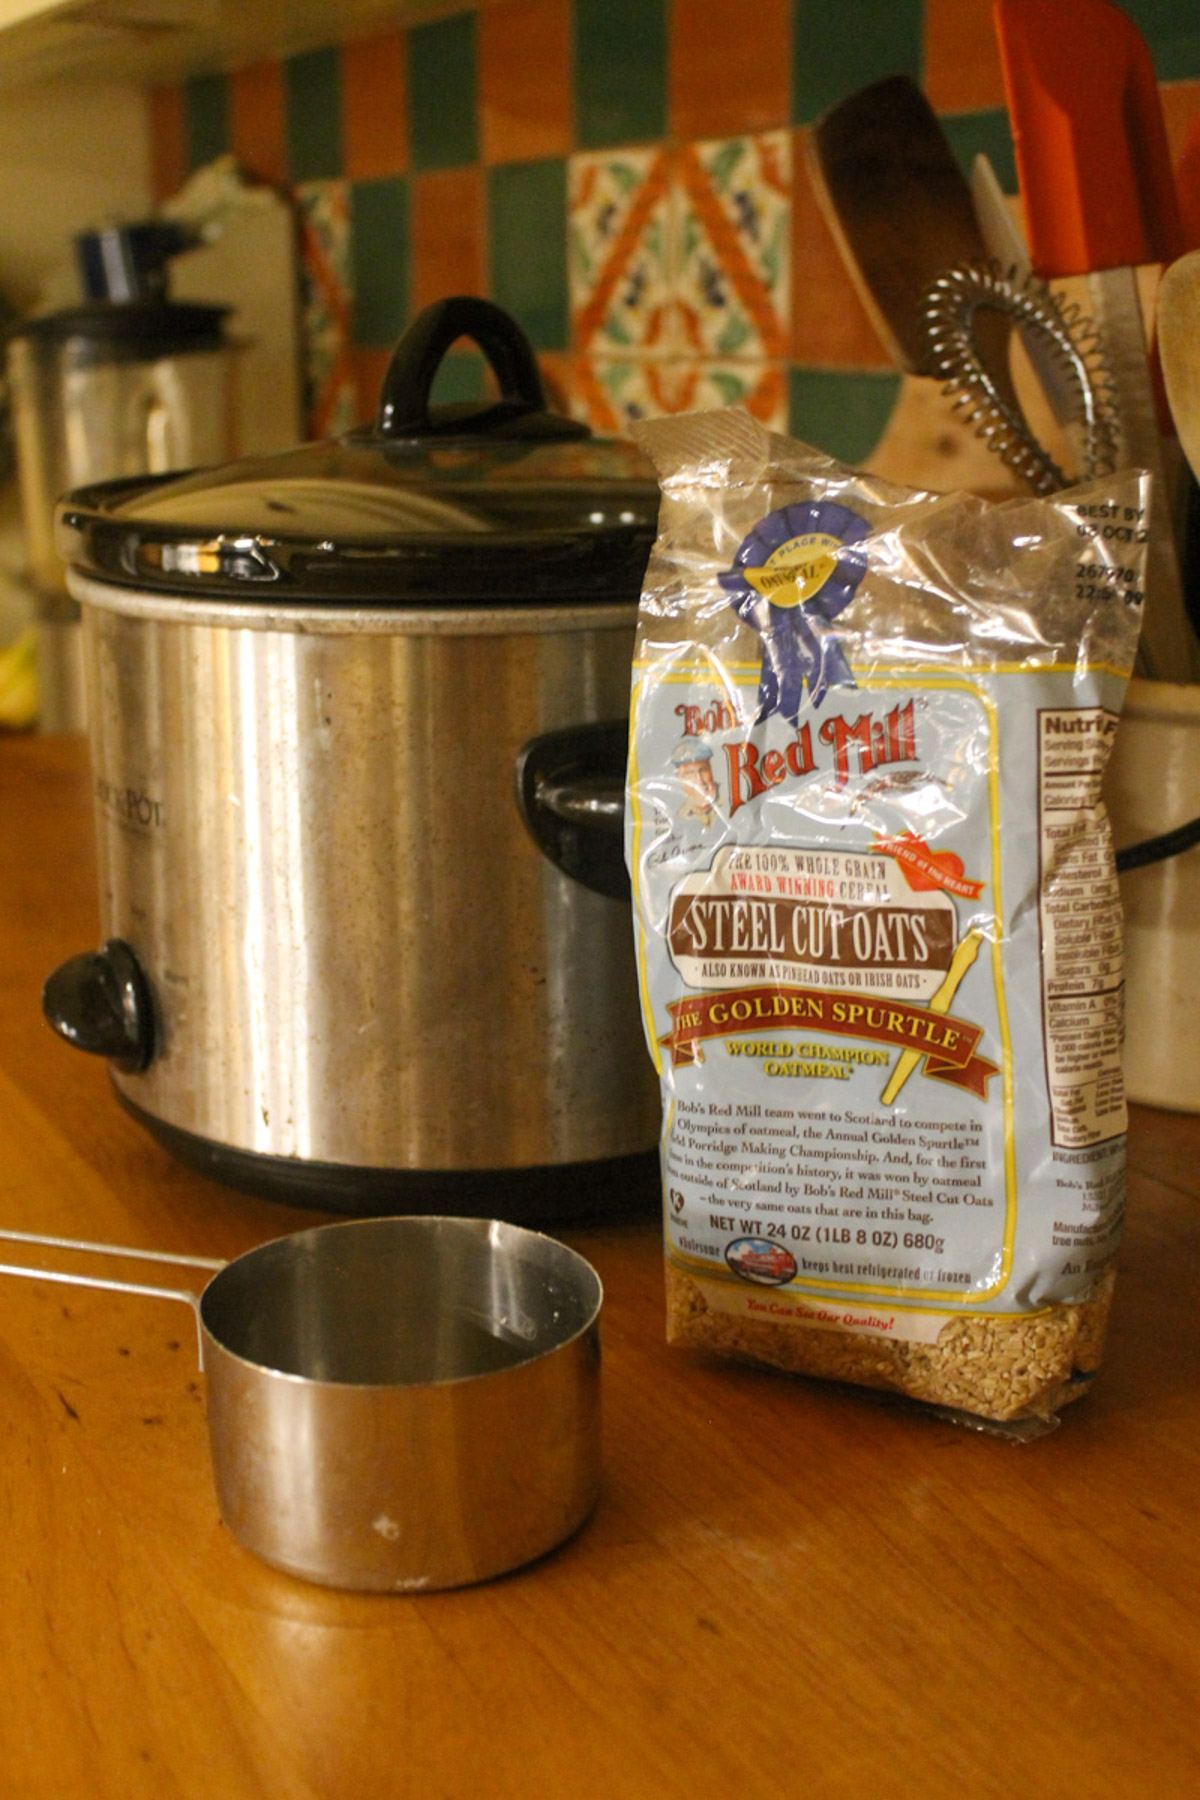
{"x":395,"y":1404}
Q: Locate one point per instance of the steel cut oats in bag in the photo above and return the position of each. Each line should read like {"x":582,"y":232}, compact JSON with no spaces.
{"x":877,"y":918}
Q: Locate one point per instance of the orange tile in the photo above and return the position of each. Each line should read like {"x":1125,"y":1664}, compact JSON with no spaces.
{"x":830,"y":327}
{"x":590,"y":401}
{"x":725,"y":78}
{"x":370,"y":367}
{"x":257,"y":134}
{"x":168,"y":156}
{"x":447,"y":235}
{"x":375,"y":106}
{"x":962,"y":61}
{"x":1181,"y":115}
{"x":525,"y":85}
{"x":560,"y":381}
{"x":1181,"y":110}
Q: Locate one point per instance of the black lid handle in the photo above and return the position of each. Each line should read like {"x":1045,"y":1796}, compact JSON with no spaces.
{"x":404,"y":410}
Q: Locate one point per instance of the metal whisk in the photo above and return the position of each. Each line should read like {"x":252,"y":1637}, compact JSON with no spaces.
{"x":1061,"y":338}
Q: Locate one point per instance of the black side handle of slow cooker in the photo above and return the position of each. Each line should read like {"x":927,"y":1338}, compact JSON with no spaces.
{"x":404,"y":410}
{"x":570,"y":788}
{"x":100,"y":1002}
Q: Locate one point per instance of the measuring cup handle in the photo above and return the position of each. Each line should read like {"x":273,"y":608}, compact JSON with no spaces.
{"x":67,"y":1278}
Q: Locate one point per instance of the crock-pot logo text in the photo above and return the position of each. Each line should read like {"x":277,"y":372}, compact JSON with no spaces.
{"x":847,"y":746}
{"x":130,"y":805}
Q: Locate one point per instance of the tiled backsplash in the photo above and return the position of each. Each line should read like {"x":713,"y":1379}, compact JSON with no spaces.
{"x":627,"y":177}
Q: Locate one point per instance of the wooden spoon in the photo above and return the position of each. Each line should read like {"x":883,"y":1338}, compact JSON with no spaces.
{"x":1177,"y":335}
{"x":900,"y":210}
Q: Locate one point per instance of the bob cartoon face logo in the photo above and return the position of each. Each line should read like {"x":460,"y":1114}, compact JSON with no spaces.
{"x":792,"y":575}
{"x":692,"y":766}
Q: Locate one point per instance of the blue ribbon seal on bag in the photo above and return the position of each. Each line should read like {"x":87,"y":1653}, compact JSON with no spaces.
{"x":792,"y":576}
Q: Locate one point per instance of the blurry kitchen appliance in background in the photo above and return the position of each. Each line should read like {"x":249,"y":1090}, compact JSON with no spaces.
{"x":128,"y":382}
{"x":184,"y":352}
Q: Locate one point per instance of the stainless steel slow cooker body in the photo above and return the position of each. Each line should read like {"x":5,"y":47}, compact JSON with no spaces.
{"x":337,"y":965}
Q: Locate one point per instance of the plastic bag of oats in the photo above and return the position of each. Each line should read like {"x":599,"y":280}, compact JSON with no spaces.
{"x":877,"y":919}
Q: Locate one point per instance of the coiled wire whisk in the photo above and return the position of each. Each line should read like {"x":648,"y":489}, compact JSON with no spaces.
{"x":1060,"y":338}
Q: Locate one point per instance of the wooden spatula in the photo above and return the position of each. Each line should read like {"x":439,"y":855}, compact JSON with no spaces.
{"x":1178,"y":334}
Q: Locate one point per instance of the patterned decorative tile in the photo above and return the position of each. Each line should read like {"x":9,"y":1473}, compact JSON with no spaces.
{"x":257,"y":120}
{"x":621,"y":252}
{"x":330,"y":388}
{"x":682,"y":252}
{"x":375,"y":105}
{"x":761,"y":387}
{"x":612,"y":393}
{"x":720,"y":83}
{"x":732,"y":280}
{"x":526,"y":106}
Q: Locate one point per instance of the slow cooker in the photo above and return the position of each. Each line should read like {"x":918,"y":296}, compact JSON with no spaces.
{"x":353,"y":713}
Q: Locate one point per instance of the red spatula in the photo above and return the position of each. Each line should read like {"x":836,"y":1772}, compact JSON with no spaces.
{"x":1099,"y":196}
{"x":1092,"y":154}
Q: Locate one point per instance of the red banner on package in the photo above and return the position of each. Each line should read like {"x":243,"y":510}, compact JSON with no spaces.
{"x":926,"y":868}
{"x":947,"y":1044}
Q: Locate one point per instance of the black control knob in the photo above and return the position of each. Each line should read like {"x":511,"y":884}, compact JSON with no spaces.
{"x":100,"y":1002}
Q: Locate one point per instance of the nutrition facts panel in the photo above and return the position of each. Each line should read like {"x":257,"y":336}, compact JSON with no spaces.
{"x":1082,"y":988}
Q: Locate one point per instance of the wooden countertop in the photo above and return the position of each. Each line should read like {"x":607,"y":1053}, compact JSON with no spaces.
{"x":786,"y":1589}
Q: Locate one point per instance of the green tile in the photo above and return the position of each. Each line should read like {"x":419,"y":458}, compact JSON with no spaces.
{"x":620,"y":71}
{"x":313,"y":99}
{"x":381,"y":259}
{"x":842,"y":412}
{"x":205,"y":119}
{"x":461,"y":375}
{"x":527,"y":247}
{"x":1172,"y":30}
{"x":983,"y":134}
{"x":834,"y":55}
{"x":442,"y":93}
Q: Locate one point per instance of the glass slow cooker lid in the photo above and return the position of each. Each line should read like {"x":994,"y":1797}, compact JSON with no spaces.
{"x":504,"y":501}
